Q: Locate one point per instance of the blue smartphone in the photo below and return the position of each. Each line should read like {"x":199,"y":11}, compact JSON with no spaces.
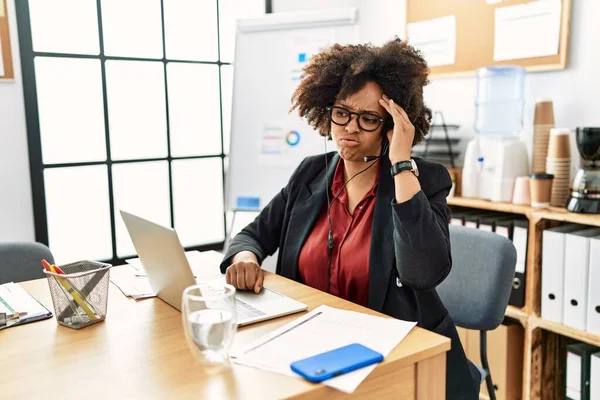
{"x":336,"y":362}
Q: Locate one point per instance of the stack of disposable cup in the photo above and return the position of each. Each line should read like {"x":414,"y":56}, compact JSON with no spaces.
{"x":558,"y":163}
{"x":543,"y":122}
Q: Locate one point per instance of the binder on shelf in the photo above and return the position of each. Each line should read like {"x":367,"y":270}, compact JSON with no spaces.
{"x":577,"y":250}
{"x":578,"y":371}
{"x":593,"y":307}
{"x":595,"y":376}
{"x":553,"y":271}
{"x":520,"y":239}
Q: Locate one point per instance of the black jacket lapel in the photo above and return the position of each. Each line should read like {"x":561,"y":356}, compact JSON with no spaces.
{"x":381,"y":258}
{"x":307,"y":207}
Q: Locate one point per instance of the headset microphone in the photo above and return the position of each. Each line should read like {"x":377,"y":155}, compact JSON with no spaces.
{"x":374,"y":158}
{"x":371,"y":158}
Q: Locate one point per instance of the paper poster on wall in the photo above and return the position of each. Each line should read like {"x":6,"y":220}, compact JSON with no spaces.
{"x":282,"y":143}
{"x":527,"y":30}
{"x":436,"y":38}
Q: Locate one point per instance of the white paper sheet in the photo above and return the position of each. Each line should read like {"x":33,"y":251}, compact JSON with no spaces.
{"x":13,"y":298}
{"x":527,"y":30}
{"x":323,"y":329}
{"x":127,"y":279}
{"x":436,"y":38}
{"x":205,"y":264}
{"x":132,"y":281}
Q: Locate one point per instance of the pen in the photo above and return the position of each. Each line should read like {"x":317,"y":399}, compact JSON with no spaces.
{"x":281,"y":333}
{"x":76,"y":296}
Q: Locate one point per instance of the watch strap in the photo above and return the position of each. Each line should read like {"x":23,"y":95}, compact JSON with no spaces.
{"x":401,"y":166}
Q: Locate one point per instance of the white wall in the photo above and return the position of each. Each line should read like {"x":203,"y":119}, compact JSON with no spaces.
{"x":379,"y":20}
{"x":16,"y":209}
{"x":574,"y":91}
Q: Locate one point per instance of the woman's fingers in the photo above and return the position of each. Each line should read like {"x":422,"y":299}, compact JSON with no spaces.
{"x":250,"y":277}
{"x":392,"y":109}
{"x":259,"y":282}
{"x":395,"y":110}
{"x":241,"y":279}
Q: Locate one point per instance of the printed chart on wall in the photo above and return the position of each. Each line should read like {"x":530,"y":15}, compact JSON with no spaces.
{"x":287,"y":141}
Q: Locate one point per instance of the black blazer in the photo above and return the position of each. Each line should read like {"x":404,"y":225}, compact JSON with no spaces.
{"x":409,"y":255}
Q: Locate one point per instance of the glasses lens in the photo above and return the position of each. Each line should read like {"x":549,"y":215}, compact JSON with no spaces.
{"x":340,"y":115}
{"x":368,"y":122}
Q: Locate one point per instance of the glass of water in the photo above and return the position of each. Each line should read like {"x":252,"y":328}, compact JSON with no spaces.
{"x":209,"y":321}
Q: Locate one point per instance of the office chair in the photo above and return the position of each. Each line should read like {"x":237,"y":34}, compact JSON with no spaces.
{"x":477,"y":289}
{"x":22,"y":261}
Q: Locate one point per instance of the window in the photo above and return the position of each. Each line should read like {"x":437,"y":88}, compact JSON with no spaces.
{"x":128,"y":105}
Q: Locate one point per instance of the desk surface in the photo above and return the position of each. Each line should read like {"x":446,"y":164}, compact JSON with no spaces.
{"x":139,"y":351}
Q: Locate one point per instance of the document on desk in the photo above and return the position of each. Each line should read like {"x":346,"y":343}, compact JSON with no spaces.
{"x":205,"y":263}
{"x":323,"y":329}
{"x":131,"y":278}
{"x":15,"y":300}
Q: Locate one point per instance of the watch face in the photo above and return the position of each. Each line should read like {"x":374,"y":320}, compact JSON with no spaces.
{"x":415,"y":169}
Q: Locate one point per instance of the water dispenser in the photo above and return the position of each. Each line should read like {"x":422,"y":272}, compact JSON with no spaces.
{"x":496,"y":156}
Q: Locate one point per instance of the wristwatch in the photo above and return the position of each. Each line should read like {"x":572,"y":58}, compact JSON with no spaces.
{"x":409,"y":165}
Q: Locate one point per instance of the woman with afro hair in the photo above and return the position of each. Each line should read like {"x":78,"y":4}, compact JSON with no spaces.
{"x":366,"y":223}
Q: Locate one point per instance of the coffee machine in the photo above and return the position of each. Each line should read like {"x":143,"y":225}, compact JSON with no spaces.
{"x":585,"y":197}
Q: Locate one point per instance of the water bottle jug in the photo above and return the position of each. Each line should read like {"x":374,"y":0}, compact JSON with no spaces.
{"x":499,"y":100}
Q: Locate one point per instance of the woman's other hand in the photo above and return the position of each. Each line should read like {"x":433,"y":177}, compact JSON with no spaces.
{"x":244,"y":273}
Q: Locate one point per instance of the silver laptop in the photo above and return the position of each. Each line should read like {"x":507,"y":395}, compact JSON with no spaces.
{"x":169,"y":273}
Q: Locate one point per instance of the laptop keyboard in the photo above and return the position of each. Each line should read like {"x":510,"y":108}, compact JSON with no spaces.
{"x":246,"y":311}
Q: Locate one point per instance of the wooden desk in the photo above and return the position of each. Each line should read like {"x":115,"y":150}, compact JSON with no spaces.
{"x":139,"y":351}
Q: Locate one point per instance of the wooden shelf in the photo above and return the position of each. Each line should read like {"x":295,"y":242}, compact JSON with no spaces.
{"x":488,"y":205}
{"x":518,"y":314}
{"x":564,"y":330}
{"x":551,"y":213}
{"x":561,"y":214}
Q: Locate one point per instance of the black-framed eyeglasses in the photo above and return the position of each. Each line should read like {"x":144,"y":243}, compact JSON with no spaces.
{"x":367,"y":121}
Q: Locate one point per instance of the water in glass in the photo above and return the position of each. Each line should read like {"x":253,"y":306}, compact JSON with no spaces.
{"x":210,"y":321}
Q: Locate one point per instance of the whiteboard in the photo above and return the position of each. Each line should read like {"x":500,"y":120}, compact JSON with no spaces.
{"x":267,"y":142}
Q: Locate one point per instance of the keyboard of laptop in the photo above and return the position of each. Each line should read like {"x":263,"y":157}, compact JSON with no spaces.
{"x":246,"y":311}
{"x":243,"y":309}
